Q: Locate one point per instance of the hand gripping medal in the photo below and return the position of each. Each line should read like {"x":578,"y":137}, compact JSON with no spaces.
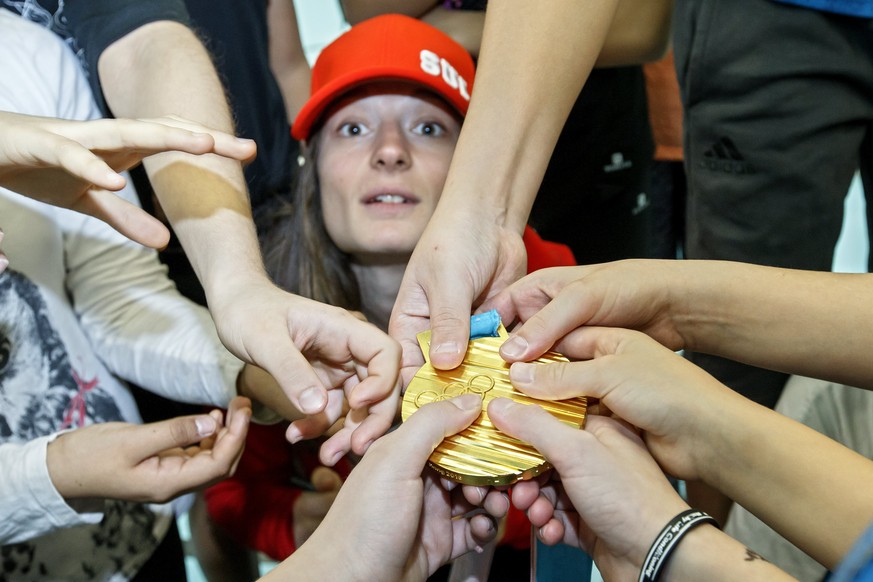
{"x":481,"y":454}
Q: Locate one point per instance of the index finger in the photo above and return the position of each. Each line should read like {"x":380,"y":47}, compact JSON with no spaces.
{"x":565,"y":312}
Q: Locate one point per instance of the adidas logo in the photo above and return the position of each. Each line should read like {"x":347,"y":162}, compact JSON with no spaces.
{"x":724,"y":156}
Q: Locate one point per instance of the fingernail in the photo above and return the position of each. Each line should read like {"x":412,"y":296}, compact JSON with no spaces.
{"x":499,"y":405}
{"x":521,"y":373}
{"x":206,"y":425}
{"x":336,"y":457}
{"x":312,"y":400}
{"x":446,"y":348}
{"x":514,"y":347}
{"x":468,"y":402}
{"x":292,"y":435}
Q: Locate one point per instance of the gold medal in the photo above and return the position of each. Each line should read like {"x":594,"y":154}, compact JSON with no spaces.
{"x":481,"y":454}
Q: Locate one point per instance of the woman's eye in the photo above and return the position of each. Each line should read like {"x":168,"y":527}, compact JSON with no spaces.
{"x":351,"y":129}
{"x":429,"y":128}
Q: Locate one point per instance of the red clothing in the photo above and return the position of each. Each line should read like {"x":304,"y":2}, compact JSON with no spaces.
{"x":256,"y":506}
{"x":542,"y":254}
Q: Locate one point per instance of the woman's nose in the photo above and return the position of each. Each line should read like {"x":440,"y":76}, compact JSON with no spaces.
{"x":391,"y":149}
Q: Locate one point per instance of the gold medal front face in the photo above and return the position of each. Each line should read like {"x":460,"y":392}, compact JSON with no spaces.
{"x":481,"y":454}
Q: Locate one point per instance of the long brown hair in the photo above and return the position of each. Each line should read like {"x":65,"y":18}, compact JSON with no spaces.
{"x":298,"y":252}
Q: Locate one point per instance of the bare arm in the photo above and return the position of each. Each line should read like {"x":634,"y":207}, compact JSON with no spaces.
{"x":614,"y":512}
{"x":639,"y":31}
{"x":799,"y":482}
{"x":201,"y":196}
{"x":472,"y":246}
{"x":287,"y":58}
{"x":357,"y":10}
{"x":205,"y":199}
{"x":801,"y":322}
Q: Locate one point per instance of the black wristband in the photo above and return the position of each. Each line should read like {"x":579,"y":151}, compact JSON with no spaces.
{"x":668,"y":539}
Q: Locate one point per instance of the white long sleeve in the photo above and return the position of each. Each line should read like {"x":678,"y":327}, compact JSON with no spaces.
{"x":29,"y":503}
{"x":81,"y":308}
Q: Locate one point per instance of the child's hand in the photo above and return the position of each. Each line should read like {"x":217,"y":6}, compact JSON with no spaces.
{"x":152,"y":462}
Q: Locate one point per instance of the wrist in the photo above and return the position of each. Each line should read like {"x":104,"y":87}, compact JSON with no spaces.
{"x":688,"y":295}
{"x":668,"y":542}
{"x":724,"y":430}
{"x":694,"y":555}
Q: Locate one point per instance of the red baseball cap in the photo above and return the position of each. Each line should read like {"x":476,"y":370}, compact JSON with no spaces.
{"x":388,"y":47}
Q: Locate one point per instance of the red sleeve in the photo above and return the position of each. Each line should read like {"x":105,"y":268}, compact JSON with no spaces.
{"x":257,"y":516}
{"x":542,"y":253}
{"x":517,"y":530}
{"x":255,"y":507}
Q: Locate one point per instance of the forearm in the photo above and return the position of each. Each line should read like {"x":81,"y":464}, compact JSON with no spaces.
{"x":133,"y":315}
{"x":531,"y":68}
{"x":357,"y":10}
{"x":803,"y":322}
{"x":805,"y":486}
{"x":708,"y":554}
{"x":269,"y":403}
{"x":287,"y":58}
{"x":640,"y":33}
{"x":204,"y":197}
{"x":465,"y":26}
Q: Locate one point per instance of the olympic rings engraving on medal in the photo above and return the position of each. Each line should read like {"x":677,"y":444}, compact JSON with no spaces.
{"x":474,"y":385}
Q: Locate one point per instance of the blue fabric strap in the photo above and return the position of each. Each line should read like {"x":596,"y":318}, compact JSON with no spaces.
{"x":860,"y":8}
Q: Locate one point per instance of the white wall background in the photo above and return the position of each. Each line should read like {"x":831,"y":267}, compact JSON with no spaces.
{"x":320,"y":22}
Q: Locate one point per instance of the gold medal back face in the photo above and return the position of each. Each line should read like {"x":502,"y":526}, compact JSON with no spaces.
{"x":481,"y":454}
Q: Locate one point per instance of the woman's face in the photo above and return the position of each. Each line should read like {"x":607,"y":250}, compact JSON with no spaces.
{"x":384,"y":154}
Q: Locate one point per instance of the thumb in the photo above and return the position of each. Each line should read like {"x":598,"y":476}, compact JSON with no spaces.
{"x":533,"y":425}
{"x":410,"y":445}
{"x":183,"y":431}
{"x":325,"y":479}
{"x":449,"y":307}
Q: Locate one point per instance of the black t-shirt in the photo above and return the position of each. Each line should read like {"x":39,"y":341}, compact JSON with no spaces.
{"x":593,"y":195}
{"x":89,"y":26}
{"x":236,"y":34}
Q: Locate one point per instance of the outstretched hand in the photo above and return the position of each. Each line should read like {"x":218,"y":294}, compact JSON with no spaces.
{"x":393,"y":519}
{"x":321,"y":356}
{"x":457,"y":264}
{"x":674,"y":403}
{"x":550,"y":303}
{"x":606,"y":495}
{"x":152,"y":462}
{"x":76,"y":164}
